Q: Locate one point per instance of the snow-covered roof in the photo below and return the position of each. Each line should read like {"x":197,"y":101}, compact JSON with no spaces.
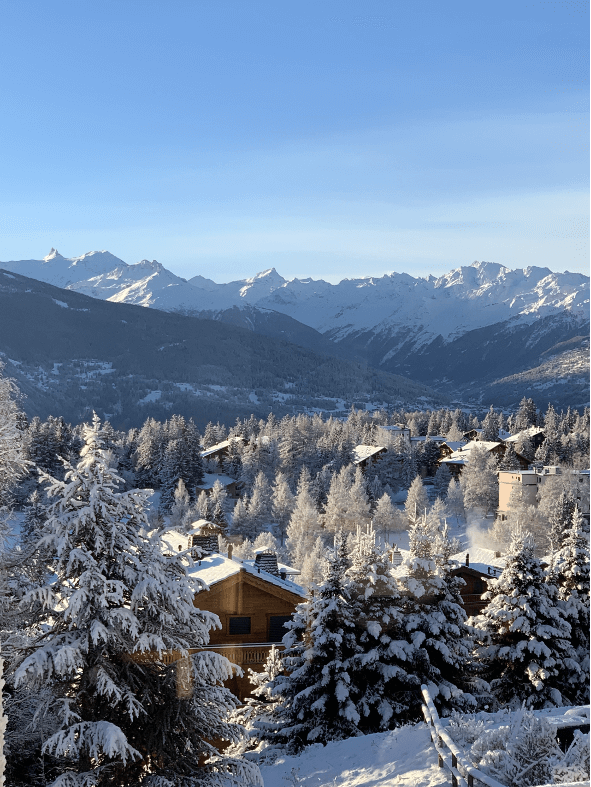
{"x":215,"y":568}
{"x":209,"y":480}
{"x":531,"y":432}
{"x":362,"y":452}
{"x":455,"y":445}
{"x":215,"y":448}
{"x":482,"y":559}
{"x":394,"y":428}
{"x":435,"y":438}
{"x":462,"y":454}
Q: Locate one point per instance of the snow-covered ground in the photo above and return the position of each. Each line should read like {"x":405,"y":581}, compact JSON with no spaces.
{"x":403,"y":758}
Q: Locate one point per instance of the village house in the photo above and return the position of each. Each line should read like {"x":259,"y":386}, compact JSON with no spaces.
{"x":474,"y":434}
{"x":365,"y":455}
{"x":456,"y":460}
{"x":478,"y":566}
{"x":252,"y":598}
{"x":534,"y":434}
{"x":218,"y":451}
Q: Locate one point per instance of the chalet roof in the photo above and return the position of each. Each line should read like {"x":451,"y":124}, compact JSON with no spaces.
{"x":209,"y":480}
{"x":213,"y":449}
{"x":531,"y":432}
{"x":435,"y":438}
{"x":462,"y":455}
{"x":362,"y":452}
{"x":455,"y":445}
{"x":215,"y":568}
{"x":394,"y":428}
{"x":481,"y":559}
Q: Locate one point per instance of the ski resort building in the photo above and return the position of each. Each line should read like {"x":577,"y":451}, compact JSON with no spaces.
{"x":456,"y":460}
{"x":365,"y":455}
{"x":229,"y":484}
{"x":477,"y":567}
{"x":389,"y":433}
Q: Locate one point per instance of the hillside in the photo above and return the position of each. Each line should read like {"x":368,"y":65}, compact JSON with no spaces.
{"x":71,"y":353}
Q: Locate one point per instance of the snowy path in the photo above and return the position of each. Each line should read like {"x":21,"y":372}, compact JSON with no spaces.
{"x":401,"y":758}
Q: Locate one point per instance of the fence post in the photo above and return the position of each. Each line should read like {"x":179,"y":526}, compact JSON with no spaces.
{"x":454,"y":765}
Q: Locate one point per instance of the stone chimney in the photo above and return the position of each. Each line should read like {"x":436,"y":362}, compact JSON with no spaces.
{"x":230,"y":550}
{"x":497,"y":554}
{"x":267,"y":561}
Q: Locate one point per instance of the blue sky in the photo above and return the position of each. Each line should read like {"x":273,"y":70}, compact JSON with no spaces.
{"x":327,"y":139}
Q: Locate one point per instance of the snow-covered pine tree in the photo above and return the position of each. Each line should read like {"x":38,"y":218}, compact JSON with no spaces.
{"x":435,"y":619}
{"x":417,"y":501}
{"x":303,"y":528}
{"x":217,"y":504}
{"x":571,"y":575}
{"x":479,"y":481}
{"x":387,"y":519}
{"x":260,"y":512}
{"x":313,"y":565}
{"x":316,"y":702}
{"x":383,"y":687}
{"x":509,"y":460}
{"x":455,"y":499}
{"x":180,"y":506}
{"x":115,"y":604}
{"x":490,"y":426}
{"x":526,"y":651}
{"x":442,"y":479}
{"x":283,"y":503}
{"x":239,"y":516}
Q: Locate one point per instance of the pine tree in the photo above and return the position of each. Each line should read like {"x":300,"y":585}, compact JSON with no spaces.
{"x":316,"y":702}
{"x":571,"y":574}
{"x":509,"y":460}
{"x":479,"y":481}
{"x":527,"y":415}
{"x":260,"y":511}
{"x":527,"y":653}
{"x":217,"y":504}
{"x":442,"y":479}
{"x":387,"y":518}
{"x":383,"y":686}
{"x":416,"y":501}
{"x":312,"y":566}
{"x":304,"y":527}
{"x":434,"y":617}
{"x":490,"y":427}
{"x":455,"y":499}
{"x":114,"y":605}
{"x":283,"y":504}
{"x":180,"y":506}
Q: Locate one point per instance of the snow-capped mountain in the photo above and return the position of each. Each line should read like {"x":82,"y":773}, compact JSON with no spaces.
{"x":451,"y":330}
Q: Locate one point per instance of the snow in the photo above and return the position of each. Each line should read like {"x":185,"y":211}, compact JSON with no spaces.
{"x":481,"y":559}
{"x":215,"y":568}
{"x":467,"y":298}
{"x":404,"y":757}
{"x":209,"y":480}
{"x":153,"y":396}
{"x":63,"y":304}
{"x":361,"y":452}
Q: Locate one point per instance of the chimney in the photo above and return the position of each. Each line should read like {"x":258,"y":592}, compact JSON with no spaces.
{"x":205,"y":545}
{"x":497,"y":554}
{"x":267,"y":561}
{"x":468,"y":559}
{"x":283,"y":574}
{"x":230,"y":550}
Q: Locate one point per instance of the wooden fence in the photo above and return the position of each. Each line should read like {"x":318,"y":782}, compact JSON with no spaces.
{"x":463,"y":773}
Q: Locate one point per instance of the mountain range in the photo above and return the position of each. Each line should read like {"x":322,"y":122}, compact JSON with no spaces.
{"x":70,"y":354}
{"x":480,"y":333}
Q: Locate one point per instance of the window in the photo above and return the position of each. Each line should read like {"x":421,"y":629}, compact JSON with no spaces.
{"x":239,"y":626}
{"x":277,"y":627}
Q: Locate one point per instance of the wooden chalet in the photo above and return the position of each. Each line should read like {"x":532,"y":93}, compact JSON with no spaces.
{"x":477,"y":567}
{"x":253,"y":600}
{"x":459,"y":457}
{"x":365,"y":455}
{"x":217,"y":452}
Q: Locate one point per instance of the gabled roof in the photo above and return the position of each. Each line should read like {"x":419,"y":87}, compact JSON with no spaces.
{"x":362,"y":452}
{"x":462,"y":455}
{"x":215,"y":568}
{"x":213,"y":449}
{"x":531,"y":432}
{"x":481,"y":559}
